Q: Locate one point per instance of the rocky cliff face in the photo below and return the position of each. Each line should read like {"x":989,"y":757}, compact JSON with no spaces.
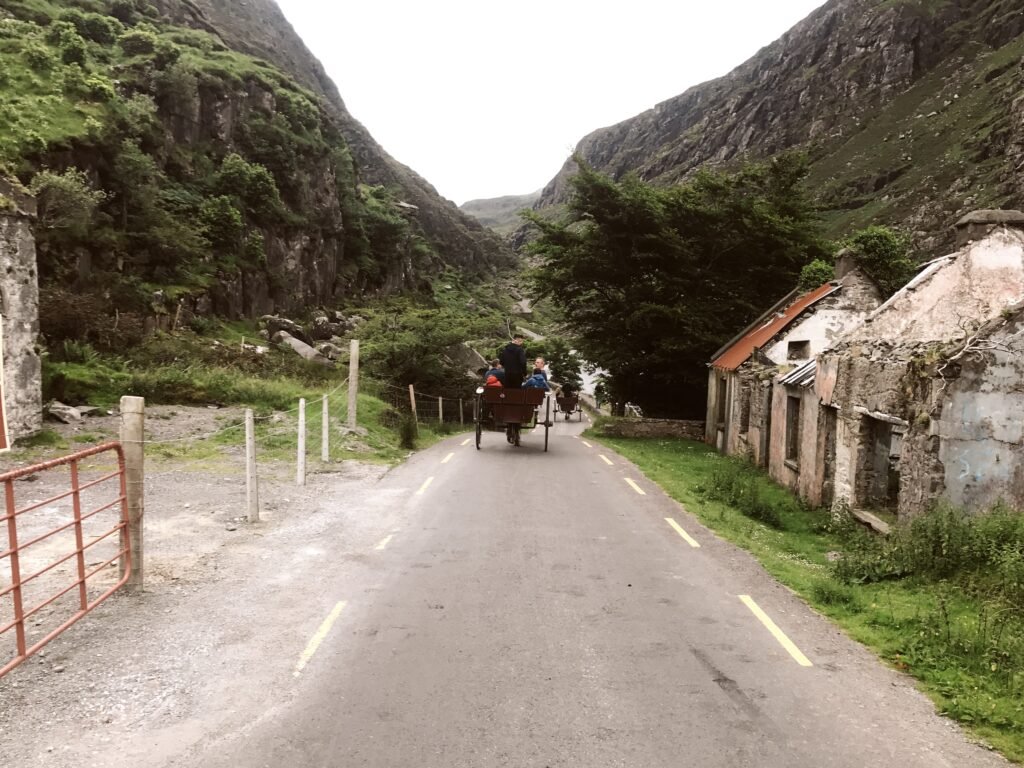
{"x":259,"y":28}
{"x":910,"y":111}
{"x":193,"y":157}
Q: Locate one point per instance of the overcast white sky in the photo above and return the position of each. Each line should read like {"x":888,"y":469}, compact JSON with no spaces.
{"x":486,"y":98}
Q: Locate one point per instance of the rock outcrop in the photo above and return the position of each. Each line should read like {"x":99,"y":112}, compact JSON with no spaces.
{"x":19,"y":311}
{"x":910,"y":113}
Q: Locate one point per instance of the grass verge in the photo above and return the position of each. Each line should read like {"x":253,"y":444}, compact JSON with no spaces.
{"x":951,"y":629}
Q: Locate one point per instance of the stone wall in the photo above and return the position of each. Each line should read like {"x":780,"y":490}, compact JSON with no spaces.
{"x":689,"y":430}
{"x":19,"y":308}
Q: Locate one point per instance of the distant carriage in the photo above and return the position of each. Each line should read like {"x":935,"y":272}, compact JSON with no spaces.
{"x":568,"y":403}
{"x":498,"y":409}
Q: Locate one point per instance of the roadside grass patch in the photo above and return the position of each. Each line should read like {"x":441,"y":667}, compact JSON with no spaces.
{"x":940,"y":598}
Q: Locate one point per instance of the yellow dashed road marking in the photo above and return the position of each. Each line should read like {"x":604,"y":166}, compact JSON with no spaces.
{"x":467,"y":441}
{"x":426,"y":484}
{"x":587,"y":444}
{"x":383,"y":543}
{"x":779,"y":635}
{"x":318,"y":638}
{"x":636,"y":487}
{"x":687,"y":537}
{"x":447,"y":458}
{"x":605,"y":459}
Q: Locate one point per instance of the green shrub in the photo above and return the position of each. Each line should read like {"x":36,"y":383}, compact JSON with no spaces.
{"x":39,"y":57}
{"x":407,"y":432}
{"x":100,"y":87}
{"x":815,"y":275}
{"x":93,"y":26}
{"x":138,"y":42}
{"x":740,"y":487}
{"x":59,"y":31}
{"x":221,"y":223}
{"x":986,"y":551}
{"x":74,"y":51}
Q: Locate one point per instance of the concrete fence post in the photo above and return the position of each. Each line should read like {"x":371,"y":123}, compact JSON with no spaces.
{"x":325,"y":431}
{"x":440,"y":411}
{"x":252,"y":489}
{"x":353,"y":381}
{"x":133,"y":430}
{"x":300,"y":471}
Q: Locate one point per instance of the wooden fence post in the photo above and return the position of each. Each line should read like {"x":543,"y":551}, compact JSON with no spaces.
{"x":440,"y":411}
{"x":300,"y":471}
{"x":133,"y":430}
{"x":412,"y":404}
{"x":353,"y":381}
{"x":462,"y":413}
{"x":252,"y":490}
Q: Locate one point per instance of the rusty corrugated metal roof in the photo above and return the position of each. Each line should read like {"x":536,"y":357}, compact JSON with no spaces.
{"x":766,"y":330}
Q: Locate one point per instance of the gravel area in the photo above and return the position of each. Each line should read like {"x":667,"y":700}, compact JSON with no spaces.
{"x":133,"y":663}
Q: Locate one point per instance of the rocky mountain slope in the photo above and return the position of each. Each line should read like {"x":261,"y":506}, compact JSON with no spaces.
{"x":500,"y":213}
{"x":193,"y":157}
{"x":910,"y":111}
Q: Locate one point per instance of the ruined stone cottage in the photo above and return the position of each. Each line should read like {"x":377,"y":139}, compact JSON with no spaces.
{"x":928,"y":394}
{"x":740,"y":417}
{"x":19,"y":312}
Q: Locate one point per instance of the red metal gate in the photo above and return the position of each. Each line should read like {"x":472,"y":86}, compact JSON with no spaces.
{"x":25,"y":615}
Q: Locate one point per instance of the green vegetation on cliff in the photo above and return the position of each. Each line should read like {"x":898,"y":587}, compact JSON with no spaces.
{"x":171,"y":169}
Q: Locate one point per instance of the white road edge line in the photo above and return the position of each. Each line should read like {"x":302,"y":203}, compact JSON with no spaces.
{"x":606,"y":460}
{"x":679,"y":529}
{"x":777,"y":633}
{"x":426,"y":484}
{"x":447,"y":458}
{"x":318,"y":638}
{"x":384,"y":542}
{"x":636,"y":487}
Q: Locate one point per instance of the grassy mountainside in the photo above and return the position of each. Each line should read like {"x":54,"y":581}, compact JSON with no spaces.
{"x":908,"y":110}
{"x":500,"y":213}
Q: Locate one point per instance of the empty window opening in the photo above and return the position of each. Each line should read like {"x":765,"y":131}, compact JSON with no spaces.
{"x":878,"y":470}
{"x":722,"y":389}
{"x":793,"y":429}
{"x":798,"y":350}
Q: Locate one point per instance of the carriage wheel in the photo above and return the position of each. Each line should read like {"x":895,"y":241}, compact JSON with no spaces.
{"x":515,"y":435}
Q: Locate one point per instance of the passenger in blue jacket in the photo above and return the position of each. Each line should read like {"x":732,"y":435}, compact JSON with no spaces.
{"x":537,"y":381}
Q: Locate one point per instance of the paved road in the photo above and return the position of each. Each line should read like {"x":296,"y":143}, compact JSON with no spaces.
{"x":517,"y":608}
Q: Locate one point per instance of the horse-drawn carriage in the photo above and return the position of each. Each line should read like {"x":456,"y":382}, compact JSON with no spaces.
{"x":498,"y":409}
{"x":569,"y":404}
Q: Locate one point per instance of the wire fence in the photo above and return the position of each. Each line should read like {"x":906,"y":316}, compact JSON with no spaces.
{"x":429,"y":408}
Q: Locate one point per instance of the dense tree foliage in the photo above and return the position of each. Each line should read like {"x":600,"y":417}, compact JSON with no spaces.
{"x":652,"y":280}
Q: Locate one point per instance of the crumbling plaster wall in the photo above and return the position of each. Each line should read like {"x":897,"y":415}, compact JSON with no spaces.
{"x":980,"y":430}
{"x":19,"y":307}
{"x":974,"y":284}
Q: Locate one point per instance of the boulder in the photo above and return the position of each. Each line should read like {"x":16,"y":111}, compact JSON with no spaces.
{"x":323,"y":329}
{"x":304,"y":349}
{"x":274,"y":324}
{"x":330,"y":351}
{"x":65,"y":413}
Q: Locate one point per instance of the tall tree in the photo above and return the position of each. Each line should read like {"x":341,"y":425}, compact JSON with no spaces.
{"x":652,"y":280}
